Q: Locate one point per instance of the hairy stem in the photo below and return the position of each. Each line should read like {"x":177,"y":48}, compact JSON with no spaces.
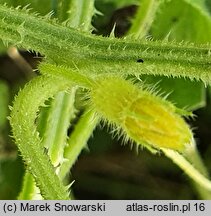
{"x":73,"y":76}
{"x":95,"y":54}
{"x":23,"y":116}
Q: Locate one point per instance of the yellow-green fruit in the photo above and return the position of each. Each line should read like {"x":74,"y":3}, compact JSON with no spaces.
{"x":145,"y":117}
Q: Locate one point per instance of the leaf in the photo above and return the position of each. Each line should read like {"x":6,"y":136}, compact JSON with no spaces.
{"x":182,"y":92}
{"x":183,"y":20}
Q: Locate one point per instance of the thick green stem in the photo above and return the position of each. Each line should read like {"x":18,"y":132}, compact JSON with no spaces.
{"x":60,"y":113}
{"x":76,"y":13}
{"x":143,"y":19}
{"x":188,"y":168}
{"x":195,"y":159}
{"x":78,"y":140}
{"x":80,"y":14}
{"x":94,"y":54}
{"x":192,"y":154}
{"x":22,"y":120}
{"x":72,"y":75}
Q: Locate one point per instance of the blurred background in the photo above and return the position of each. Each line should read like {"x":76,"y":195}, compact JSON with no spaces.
{"x":108,"y":169}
